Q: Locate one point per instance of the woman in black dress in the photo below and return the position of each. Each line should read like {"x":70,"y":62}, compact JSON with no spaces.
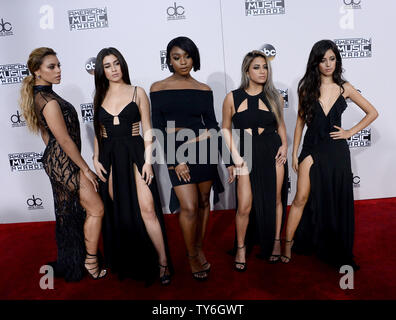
{"x":73,"y":184}
{"x":256,"y":111}
{"x":186,"y":102}
{"x":133,"y":229}
{"x":324,"y":185}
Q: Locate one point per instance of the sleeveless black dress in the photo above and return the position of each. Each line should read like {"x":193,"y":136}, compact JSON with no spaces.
{"x":262,"y":219}
{"x":128,"y":249}
{"x":327,"y":224}
{"x":192,"y":109}
{"x":64,"y":175}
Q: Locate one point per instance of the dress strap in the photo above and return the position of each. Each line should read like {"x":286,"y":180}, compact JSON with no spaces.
{"x":134,"y":94}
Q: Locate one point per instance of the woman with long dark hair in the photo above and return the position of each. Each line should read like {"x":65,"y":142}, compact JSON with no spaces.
{"x":188,"y":104}
{"x":324,"y":185}
{"x":256,"y":109}
{"x":133,"y":230}
{"x":73,"y":184}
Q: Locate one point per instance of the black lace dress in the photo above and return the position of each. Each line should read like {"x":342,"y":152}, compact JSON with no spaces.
{"x":261,"y":160}
{"x":128,"y":249}
{"x":327,"y":224}
{"x":65,"y":181}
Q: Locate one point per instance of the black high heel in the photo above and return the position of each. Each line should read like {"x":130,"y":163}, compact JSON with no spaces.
{"x":97,"y":274}
{"x":277,"y":256}
{"x":243,"y":264}
{"x":205,"y":263}
{"x":196,"y":275}
{"x":165,"y":279}
{"x":283,"y":256}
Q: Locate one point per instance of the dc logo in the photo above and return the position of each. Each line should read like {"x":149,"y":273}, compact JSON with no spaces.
{"x":34,"y":202}
{"x":90,"y":65}
{"x":269,"y":50}
{"x":16,"y":118}
{"x":175,"y":10}
{"x":5,"y":26}
{"x":352,"y":2}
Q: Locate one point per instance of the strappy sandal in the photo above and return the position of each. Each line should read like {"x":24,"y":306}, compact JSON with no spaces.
{"x":97,"y":274}
{"x":198,"y":275}
{"x":165,"y":279}
{"x":243,"y":264}
{"x":276,"y":256}
{"x":286,"y":257}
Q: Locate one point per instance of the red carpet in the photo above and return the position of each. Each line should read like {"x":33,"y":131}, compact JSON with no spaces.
{"x":26,"y":246}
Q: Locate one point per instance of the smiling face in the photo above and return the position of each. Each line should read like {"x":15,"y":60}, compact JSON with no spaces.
{"x":258,"y":70}
{"x":181,"y":61}
{"x":112,"y":68}
{"x":328,"y":63}
{"x":49,"y":71}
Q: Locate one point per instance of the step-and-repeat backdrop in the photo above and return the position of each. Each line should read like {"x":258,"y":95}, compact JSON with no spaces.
{"x":224,"y":31}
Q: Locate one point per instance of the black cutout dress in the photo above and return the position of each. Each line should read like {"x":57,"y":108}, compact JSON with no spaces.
{"x":262,"y":219}
{"x":64,"y":175}
{"x":128,"y":249}
{"x":327,"y":224}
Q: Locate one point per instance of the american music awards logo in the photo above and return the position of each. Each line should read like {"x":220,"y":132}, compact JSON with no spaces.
{"x":175,"y":12}
{"x":354,"y":47}
{"x":163,"y":59}
{"x":352,"y":4}
{"x":13,"y":73}
{"x":91,"y":18}
{"x":5,"y":28}
{"x":285,"y":94}
{"x":360,"y":139}
{"x":26,"y":161}
{"x":356,"y":181}
{"x":17,"y":120}
{"x":87,"y":112}
{"x":269,"y":50}
{"x":34,"y":203}
{"x":90,"y":65}
{"x":264,"y":7}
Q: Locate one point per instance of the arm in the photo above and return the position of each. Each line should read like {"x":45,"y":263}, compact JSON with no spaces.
{"x":296,"y":140}
{"x":144,"y":108}
{"x":365,"y":105}
{"x":56,"y":123}
{"x":97,"y":165}
{"x":281,"y":156}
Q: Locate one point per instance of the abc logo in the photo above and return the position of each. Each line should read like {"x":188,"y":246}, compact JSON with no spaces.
{"x":5,"y":26}
{"x":268,"y":50}
{"x":90,"y":65}
{"x":175,"y":10}
{"x":351,"y":2}
{"x":356,"y":180}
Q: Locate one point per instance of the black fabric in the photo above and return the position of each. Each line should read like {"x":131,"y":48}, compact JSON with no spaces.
{"x":327,"y":224}
{"x":128,"y":249}
{"x":262,"y":219}
{"x":192,"y":109}
{"x":64,"y":176}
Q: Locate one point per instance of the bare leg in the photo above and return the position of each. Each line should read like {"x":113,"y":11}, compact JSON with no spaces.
{"x":203,"y":216}
{"x":153,"y":227}
{"x":93,"y":205}
{"x":188,"y":198}
{"x":276,"y":251}
{"x":244,"y":193}
{"x":298,"y":204}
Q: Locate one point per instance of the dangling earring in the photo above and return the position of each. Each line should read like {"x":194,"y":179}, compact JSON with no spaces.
{"x":38,"y":77}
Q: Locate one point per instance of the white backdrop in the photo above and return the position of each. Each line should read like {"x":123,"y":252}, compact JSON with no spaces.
{"x":224,"y":31}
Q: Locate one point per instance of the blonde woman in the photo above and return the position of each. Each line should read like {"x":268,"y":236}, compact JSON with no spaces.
{"x":256,"y":109}
{"x":73,"y":183}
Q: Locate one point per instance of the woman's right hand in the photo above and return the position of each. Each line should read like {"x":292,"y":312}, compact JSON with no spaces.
{"x":100,"y":170}
{"x":92,"y":178}
{"x":295,"y":163}
{"x":183,"y":172}
{"x":231,"y":174}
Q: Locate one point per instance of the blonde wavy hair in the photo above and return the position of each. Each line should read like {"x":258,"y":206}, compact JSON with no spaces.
{"x":270,"y":91}
{"x":26,"y":101}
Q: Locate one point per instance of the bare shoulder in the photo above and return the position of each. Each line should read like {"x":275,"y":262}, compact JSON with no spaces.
{"x":348,"y":89}
{"x":159,"y":85}
{"x":203,"y":86}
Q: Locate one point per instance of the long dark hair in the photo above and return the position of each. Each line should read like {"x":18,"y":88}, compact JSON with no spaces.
{"x":102,"y":83}
{"x":309,"y":85}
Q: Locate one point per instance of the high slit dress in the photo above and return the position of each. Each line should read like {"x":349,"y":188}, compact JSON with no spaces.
{"x":128,"y":249}
{"x":261,"y":158}
{"x":327,"y":224}
{"x":64,"y":175}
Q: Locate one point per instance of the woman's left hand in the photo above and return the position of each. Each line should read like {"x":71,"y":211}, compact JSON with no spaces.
{"x":340,"y":134}
{"x":147,"y":173}
{"x":281,"y":156}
